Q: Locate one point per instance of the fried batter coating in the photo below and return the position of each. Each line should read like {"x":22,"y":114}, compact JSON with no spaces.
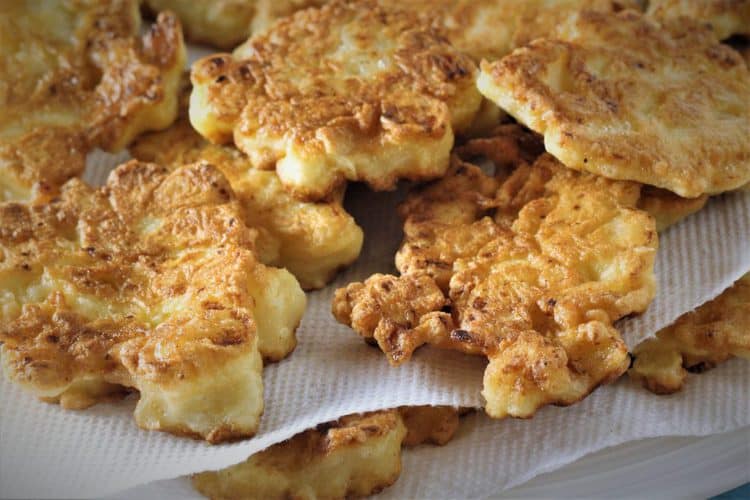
{"x":444,"y":220}
{"x":620,"y":96}
{"x":150,"y":283}
{"x":697,"y":341}
{"x":227,"y":23}
{"x":75,"y":75}
{"x":351,"y":91}
{"x":491,"y":29}
{"x":312,"y":240}
{"x":529,"y":268}
{"x":358,"y":455}
{"x":726,"y":17}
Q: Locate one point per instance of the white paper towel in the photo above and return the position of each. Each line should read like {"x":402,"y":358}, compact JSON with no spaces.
{"x":486,"y":456}
{"x":49,"y":452}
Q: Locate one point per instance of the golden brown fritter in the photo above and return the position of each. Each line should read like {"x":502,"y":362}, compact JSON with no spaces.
{"x":358,"y":455}
{"x":443,"y":220}
{"x":151,"y":283}
{"x":227,"y":23}
{"x":726,"y":17}
{"x":75,"y":75}
{"x":491,"y":29}
{"x":697,"y":341}
{"x":620,"y":96}
{"x":354,"y":91}
{"x":313,"y":240}
{"x":553,"y":259}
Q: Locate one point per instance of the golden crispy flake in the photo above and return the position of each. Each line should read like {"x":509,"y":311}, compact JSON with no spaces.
{"x":726,"y":17}
{"x":622,"y":97}
{"x":697,"y":341}
{"x":353,"y":91}
{"x":312,"y":240}
{"x":227,"y":23}
{"x":358,"y":455}
{"x":532,"y":267}
{"x":150,"y":283}
{"x":77,"y":75}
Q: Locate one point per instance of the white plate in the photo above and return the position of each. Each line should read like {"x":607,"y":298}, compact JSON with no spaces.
{"x":674,"y":467}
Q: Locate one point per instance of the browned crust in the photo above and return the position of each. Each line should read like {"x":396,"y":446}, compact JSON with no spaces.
{"x":146,"y":240}
{"x":527,"y":295}
{"x":626,"y":98}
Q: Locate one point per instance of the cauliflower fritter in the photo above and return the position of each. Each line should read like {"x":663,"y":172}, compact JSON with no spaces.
{"x":491,"y":29}
{"x":620,"y":96}
{"x":443,"y":220}
{"x":151,"y":283}
{"x":313,"y":240}
{"x":530,"y":268}
{"x":697,"y":341}
{"x":726,"y":17}
{"x":358,"y":455}
{"x":350,"y":91}
{"x":75,"y":75}
{"x":227,"y":23}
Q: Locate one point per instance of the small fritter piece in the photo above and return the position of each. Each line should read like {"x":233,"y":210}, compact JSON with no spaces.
{"x":227,"y":23}
{"x":529,"y":268}
{"x":697,"y":341}
{"x":151,"y":283}
{"x":358,"y":455}
{"x":75,"y":75}
{"x":620,"y":96}
{"x":726,"y":17}
{"x":312,"y":240}
{"x":351,"y":91}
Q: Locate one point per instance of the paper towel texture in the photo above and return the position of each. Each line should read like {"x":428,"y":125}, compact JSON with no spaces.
{"x":46,"y":451}
{"x":486,"y":457}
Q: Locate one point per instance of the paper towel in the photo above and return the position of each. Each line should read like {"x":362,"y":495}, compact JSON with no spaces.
{"x":46,"y":451}
{"x":486,"y":456}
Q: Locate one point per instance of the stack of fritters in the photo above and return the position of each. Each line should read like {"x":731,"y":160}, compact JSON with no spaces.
{"x":556,"y":137}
